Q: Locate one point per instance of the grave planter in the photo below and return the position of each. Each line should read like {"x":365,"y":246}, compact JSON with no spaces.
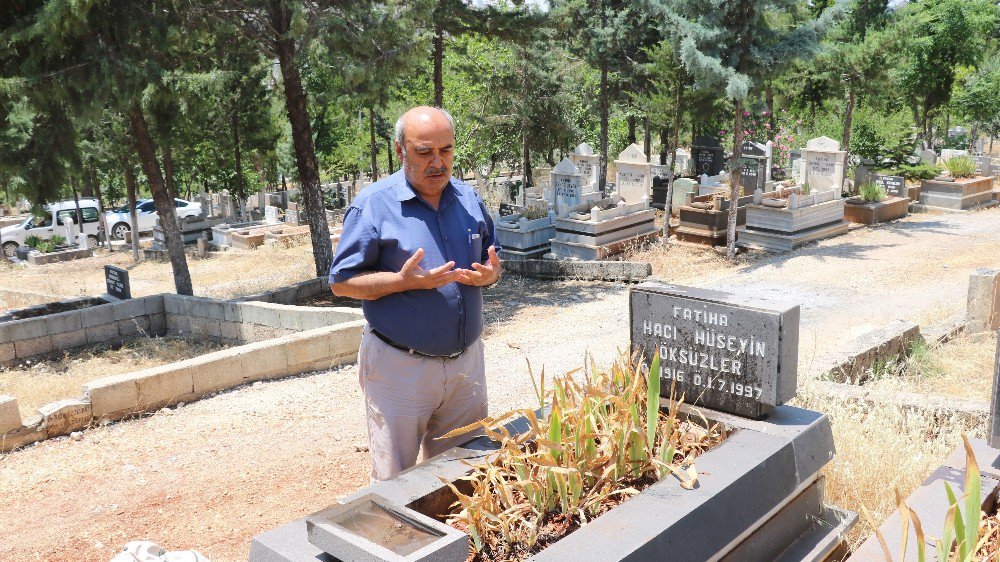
{"x":810,"y":218}
{"x":861,"y":212}
{"x":590,"y":232}
{"x":930,"y":503}
{"x":522,"y":238}
{"x":761,"y":498}
{"x":957,"y":195}
{"x":65,"y":254}
{"x":704,"y":222}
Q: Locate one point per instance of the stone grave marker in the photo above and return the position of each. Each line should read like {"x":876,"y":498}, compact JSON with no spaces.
{"x":949,"y":153}
{"x":117,"y":282}
{"x":681,"y":161}
{"x":718,"y":350}
{"x":863,"y":172}
{"x":270,"y":214}
{"x":506,"y":209}
{"x":928,"y":156}
{"x":994,"y":437}
{"x":567,"y":185}
{"x":984,"y":166}
{"x":895,"y":186}
{"x":586,"y":162}
{"x":707,"y":156}
{"x":795,"y":165}
{"x":753,"y":166}
{"x":633,"y":178}
{"x":824,"y":164}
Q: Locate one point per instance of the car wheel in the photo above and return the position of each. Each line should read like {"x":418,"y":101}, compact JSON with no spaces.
{"x":10,"y":250}
{"x":92,"y":241}
{"x":120,"y":230}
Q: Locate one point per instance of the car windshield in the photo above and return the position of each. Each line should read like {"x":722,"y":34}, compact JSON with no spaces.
{"x":122,"y":209}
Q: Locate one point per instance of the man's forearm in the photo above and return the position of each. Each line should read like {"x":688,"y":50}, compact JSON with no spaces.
{"x":370,"y":286}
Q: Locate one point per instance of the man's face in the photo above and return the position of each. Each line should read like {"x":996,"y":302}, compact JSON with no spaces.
{"x":429,"y":151}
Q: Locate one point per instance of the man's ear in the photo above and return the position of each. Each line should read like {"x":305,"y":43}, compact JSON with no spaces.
{"x":399,"y":151}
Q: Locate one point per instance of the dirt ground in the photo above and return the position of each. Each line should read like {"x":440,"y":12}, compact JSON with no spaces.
{"x":212,"y":474}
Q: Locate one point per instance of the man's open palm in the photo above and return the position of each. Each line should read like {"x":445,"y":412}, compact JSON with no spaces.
{"x":415,"y":277}
{"x":482,"y":274}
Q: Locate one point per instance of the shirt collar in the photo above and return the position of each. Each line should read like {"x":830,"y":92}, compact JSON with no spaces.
{"x":405,"y":192}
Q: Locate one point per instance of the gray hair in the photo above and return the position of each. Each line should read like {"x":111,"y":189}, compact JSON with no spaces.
{"x":401,"y":124}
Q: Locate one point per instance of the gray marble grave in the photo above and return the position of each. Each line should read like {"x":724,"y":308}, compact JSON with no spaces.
{"x":718,"y":350}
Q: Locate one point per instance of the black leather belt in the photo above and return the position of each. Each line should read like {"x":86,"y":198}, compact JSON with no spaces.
{"x":412,"y":351}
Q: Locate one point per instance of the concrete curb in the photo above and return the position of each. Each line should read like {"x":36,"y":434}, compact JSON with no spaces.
{"x":630,"y":272}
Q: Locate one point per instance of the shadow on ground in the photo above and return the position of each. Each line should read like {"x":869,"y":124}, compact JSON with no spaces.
{"x":515,"y":292}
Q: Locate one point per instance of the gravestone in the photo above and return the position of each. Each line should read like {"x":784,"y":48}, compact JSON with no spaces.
{"x":707,"y":156}
{"x":567,"y":185}
{"x":586,"y":162}
{"x":682,"y":161}
{"x":270,"y":214}
{"x":928,"y":156}
{"x":116,"y":280}
{"x":753,"y":166}
{"x":633,"y":178}
{"x":823,"y":165}
{"x":863,"y":172}
{"x":895,"y":186}
{"x":994,"y":437}
{"x":506,"y":209}
{"x":949,"y":153}
{"x":720,"y":351}
{"x":984,"y":166}
{"x":795,"y":164}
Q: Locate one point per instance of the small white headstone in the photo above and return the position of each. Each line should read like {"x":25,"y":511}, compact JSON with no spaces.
{"x":270,"y":214}
{"x":586,"y":162}
{"x":70,"y":235}
{"x":567,"y":185}
{"x":634,"y":180}
{"x":823,"y":165}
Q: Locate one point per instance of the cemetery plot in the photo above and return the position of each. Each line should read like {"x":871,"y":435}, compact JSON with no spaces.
{"x":882,"y":199}
{"x":705,"y":219}
{"x":50,"y":308}
{"x":791,"y":219}
{"x":45,"y":379}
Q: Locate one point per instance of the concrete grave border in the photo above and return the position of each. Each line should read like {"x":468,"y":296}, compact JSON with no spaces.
{"x":271,"y":341}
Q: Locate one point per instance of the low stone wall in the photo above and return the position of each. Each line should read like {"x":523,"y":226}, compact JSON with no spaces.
{"x":38,"y":258}
{"x":127,"y":394}
{"x":292,"y":293}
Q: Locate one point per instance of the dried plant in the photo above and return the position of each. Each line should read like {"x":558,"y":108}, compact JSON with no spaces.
{"x":602,"y":440}
{"x":968,"y":535}
{"x":872,"y":192}
{"x":532,"y":213}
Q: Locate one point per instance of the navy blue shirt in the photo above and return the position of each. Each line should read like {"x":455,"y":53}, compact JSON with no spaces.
{"x":384,"y":226}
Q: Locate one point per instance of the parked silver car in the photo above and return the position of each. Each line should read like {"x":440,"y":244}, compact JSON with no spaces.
{"x":119,"y":222}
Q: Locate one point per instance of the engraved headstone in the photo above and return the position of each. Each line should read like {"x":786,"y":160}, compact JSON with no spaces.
{"x":984,"y":166}
{"x":707,"y":156}
{"x":895,"y":186}
{"x":567,"y":185}
{"x":586,"y":162}
{"x":633,"y":179}
{"x":753,"y":166}
{"x":270,"y":214}
{"x":718,"y":350}
{"x":824,"y":164}
{"x":863,"y":172}
{"x":506,"y":209}
{"x":116,"y":280}
{"x":682,"y":161}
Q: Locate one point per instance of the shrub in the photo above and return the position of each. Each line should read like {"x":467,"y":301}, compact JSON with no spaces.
{"x":32,"y":241}
{"x":961,"y":167}
{"x":532,"y":213}
{"x":57,"y":240}
{"x":45,"y":247}
{"x":913,"y":172}
{"x":872,"y":192}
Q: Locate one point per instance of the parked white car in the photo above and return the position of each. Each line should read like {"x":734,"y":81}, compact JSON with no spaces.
{"x":51,"y":224}
{"x":119,"y":222}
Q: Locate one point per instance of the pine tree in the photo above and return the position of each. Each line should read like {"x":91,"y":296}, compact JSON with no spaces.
{"x":732,"y":46}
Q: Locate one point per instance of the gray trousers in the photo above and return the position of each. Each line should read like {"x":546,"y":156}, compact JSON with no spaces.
{"x":410,"y":400}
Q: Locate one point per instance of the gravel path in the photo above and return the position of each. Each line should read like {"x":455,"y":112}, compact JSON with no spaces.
{"x":211,"y":474}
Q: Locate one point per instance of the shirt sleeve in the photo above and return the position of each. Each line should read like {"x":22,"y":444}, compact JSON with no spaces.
{"x":357,"y":251}
{"x":490,"y":236}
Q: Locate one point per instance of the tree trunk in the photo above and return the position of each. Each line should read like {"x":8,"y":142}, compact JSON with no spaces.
{"x":678,"y":114}
{"x":602,"y":161}
{"x":168,"y":170}
{"x":95,"y":187}
{"x":631,"y":130}
{"x":735,"y":180}
{"x":241,"y":195}
{"x":848,"y":116}
{"x":526,"y":180}
{"x":305,"y":153}
{"x":130,"y":190}
{"x":372,"y":145}
{"x":664,"y":145}
{"x":647,"y":141}
{"x":438,"y":62}
{"x":769,"y":103}
{"x":164,"y":204}
{"x":79,"y":212}
{"x":388,"y":155}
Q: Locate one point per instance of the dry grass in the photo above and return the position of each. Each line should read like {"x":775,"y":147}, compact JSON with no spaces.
{"x":962,"y":367}
{"x":40,"y":381}
{"x":881,"y":448}
{"x":222,"y":275}
{"x":687,"y":263}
